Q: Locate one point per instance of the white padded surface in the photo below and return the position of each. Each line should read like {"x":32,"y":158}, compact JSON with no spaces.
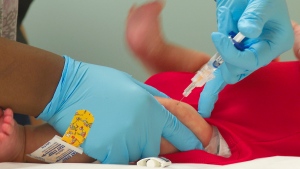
{"x":264,"y":163}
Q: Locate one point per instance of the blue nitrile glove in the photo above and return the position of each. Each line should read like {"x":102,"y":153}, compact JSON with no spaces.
{"x":129,"y":121}
{"x":267,"y":25}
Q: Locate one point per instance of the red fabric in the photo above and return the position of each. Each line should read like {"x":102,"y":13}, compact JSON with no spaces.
{"x":258,"y":117}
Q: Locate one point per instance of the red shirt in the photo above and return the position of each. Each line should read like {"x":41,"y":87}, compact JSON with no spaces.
{"x":258,"y":117}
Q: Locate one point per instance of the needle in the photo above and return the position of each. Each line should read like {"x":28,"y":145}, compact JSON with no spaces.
{"x":180,"y":100}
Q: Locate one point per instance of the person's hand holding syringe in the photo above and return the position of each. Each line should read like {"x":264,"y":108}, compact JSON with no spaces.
{"x":206,"y":73}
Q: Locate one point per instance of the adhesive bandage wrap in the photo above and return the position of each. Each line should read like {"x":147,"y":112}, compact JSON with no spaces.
{"x":79,"y":128}
{"x":59,"y":149}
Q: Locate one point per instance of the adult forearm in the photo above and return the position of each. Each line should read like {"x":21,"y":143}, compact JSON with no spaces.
{"x":28,"y":77}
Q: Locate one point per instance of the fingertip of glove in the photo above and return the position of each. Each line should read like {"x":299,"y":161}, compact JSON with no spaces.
{"x":164,"y":95}
{"x":223,"y":44}
{"x":249,"y":28}
{"x":218,"y":38}
{"x":205,"y":107}
{"x":204,"y":114}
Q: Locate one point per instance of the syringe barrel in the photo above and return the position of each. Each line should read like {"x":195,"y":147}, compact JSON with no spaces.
{"x":206,"y":72}
{"x":215,"y":61}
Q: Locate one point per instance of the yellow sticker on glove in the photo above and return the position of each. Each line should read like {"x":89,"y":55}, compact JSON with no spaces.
{"x":79,"y":128}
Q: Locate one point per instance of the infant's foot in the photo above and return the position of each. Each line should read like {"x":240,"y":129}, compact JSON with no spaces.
{"x":12,"y":139}
{"x":143,"y":30}
{"x":296,"y":48}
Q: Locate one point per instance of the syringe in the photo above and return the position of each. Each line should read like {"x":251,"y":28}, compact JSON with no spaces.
{"x":206,"y":73}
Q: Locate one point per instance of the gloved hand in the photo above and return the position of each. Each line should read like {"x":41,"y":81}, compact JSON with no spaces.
{"x":267,"y":25}
{"x":129,"y":121}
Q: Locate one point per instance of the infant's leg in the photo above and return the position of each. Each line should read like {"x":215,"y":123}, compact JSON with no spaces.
{"x":12,"y":138}
{"x":297,"y":40}
{"x":143,"y":33}
{"x":146,"y":41}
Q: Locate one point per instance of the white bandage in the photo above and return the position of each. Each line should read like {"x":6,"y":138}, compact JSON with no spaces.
{"x":217,"y":145}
